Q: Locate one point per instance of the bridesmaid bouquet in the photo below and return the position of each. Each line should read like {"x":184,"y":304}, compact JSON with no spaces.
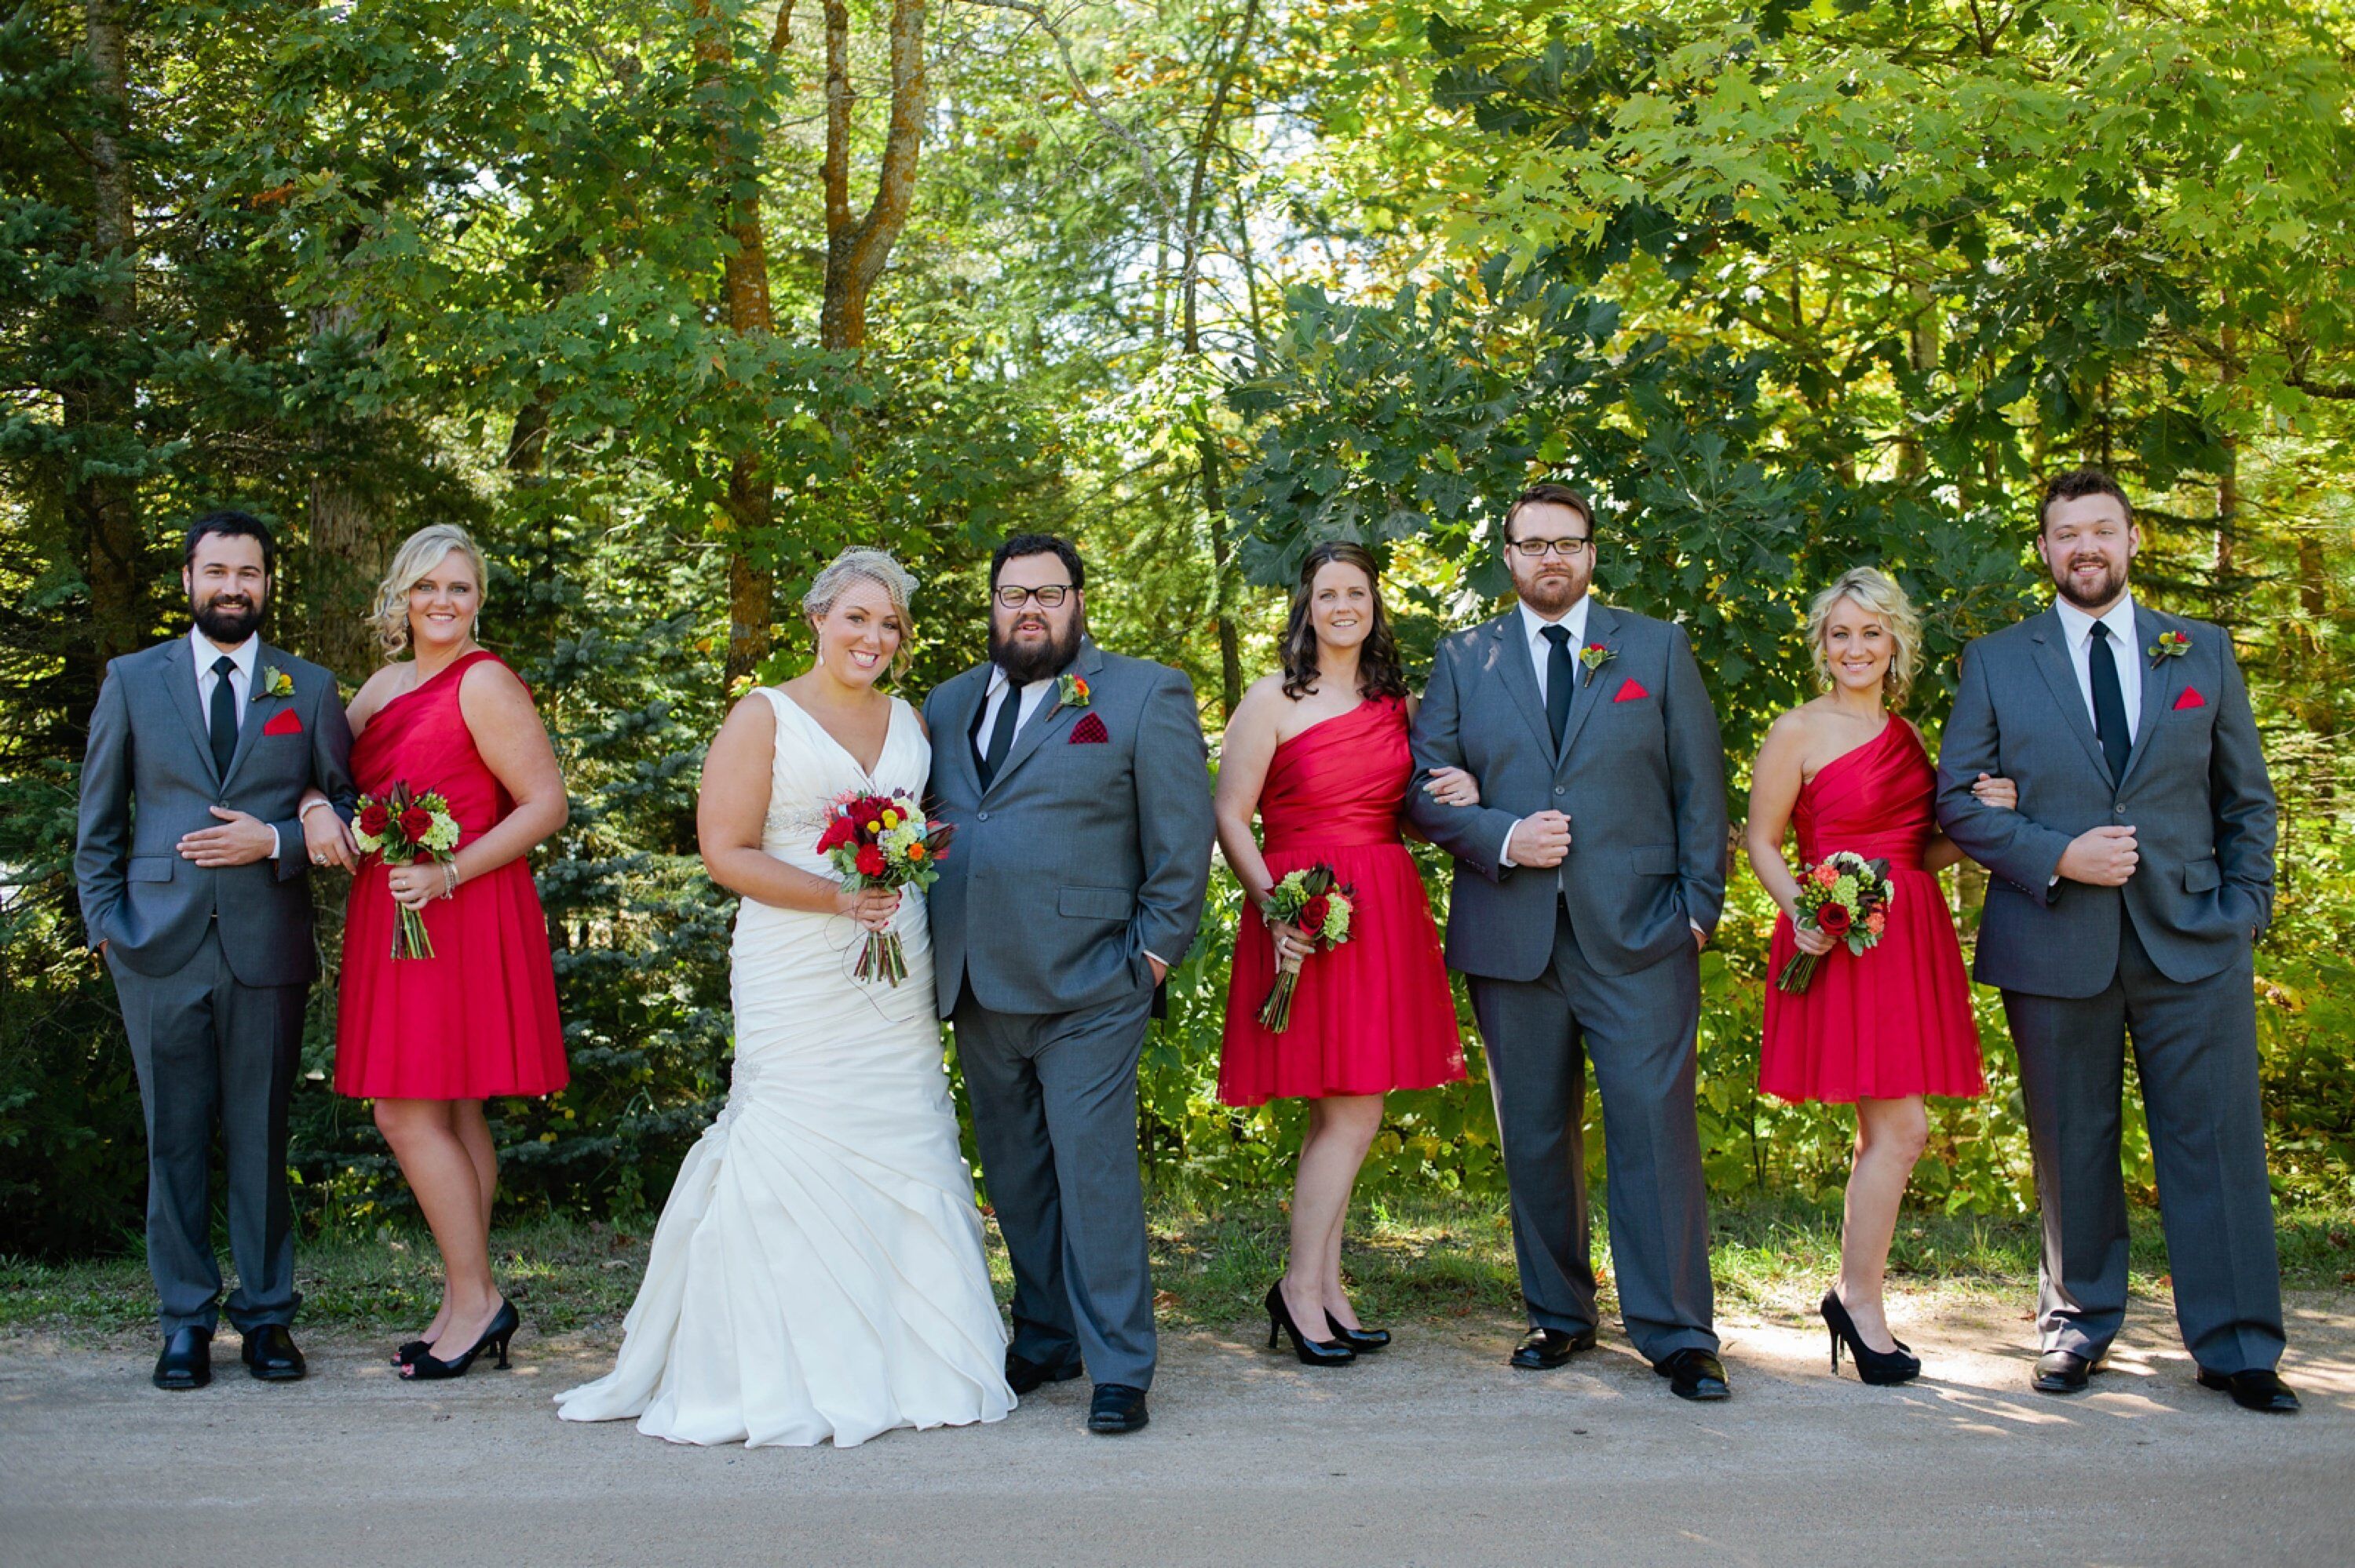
{"x":400,"y":828}
{"x":1312,"y":900}
{"x":883,"y":840}
{"x":1845,"y":896}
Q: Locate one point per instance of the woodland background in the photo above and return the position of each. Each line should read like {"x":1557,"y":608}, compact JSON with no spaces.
{"x":667,"y":300}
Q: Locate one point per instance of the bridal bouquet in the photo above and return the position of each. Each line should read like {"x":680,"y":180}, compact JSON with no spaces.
{"x":1314,"y":900}
{"x":883,"y":840}
{"x":1845,"y":896}
{"x":402,"y":827}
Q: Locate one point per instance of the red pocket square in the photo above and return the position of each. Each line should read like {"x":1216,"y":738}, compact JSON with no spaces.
{"x":1089,"y":731}
{"x":2190,"y":699}
{"x":286,"y":722}
{"x":1631,"y":690}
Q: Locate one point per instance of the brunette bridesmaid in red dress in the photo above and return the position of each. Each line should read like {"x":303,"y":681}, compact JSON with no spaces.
{"x":1319,"y":752}
{"x":1884,"y":1030}
{"x":429,"y":1039}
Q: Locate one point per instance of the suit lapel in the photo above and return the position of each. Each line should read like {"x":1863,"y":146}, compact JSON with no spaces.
{"x":1586,"y":689}
{"x":1051,"y":716}
{"x":2061,"y":675}
{"x":2159,"y":688}
{"x":180,"y":675}
{"x":1520,"y":676}
{"x":261,"y":708}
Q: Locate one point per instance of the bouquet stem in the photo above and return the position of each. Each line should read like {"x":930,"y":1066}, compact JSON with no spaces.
{"x":1797,"y":973}
{"x":882,"y":959}
{"x":409,"y":938}
{"x":1275,"y":1013}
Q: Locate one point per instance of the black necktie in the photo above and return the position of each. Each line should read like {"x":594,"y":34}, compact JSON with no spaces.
{"x":1001,"y":734}
{"x":224,"y":716}
{"x":1558,"y":681}
{"x":2109,"y":702}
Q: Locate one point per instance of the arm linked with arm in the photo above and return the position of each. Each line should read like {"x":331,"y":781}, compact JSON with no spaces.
{"x":2023,"y":852}
{"x":1475,"y":835}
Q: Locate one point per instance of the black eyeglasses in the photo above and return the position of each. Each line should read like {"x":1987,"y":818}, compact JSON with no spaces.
{"x":1051,"y":597}
{"x":1539,"y":549}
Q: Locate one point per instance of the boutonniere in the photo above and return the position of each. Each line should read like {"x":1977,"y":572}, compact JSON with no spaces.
{"x":1594,"y":655}
{"x":2171,"y":646}
{"x":1073,"y":690}
{"x":275,"y":682}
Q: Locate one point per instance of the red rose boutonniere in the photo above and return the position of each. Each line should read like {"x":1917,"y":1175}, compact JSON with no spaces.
{"x":1594,"y":655}
{"x":2171,"y":646}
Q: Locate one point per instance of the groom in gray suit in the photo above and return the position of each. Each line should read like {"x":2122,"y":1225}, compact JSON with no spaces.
{"x":1586,"y":879}
{"x":193,"y":871}
{"x":1079,"y":787}
{"x":2126,"y":894}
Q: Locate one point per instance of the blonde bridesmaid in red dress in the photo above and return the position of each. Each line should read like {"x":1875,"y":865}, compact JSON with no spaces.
{"x":429,"y":1039}
{"x":1318,"y":754}
{"x":1884,"y":1030}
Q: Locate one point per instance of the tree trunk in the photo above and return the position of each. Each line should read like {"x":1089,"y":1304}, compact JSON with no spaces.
{"x":348,"y":550}
{"x":102,"y":407}
{"x":856,"y":249}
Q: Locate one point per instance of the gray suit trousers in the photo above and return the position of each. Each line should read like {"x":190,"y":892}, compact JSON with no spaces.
{"x":1639,"y":1030}
{"x":2195,"y":1046}
{"x":204,"y":1042}
{"x":1054,"y":1112}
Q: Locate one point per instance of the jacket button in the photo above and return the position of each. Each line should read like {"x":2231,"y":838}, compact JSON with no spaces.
{"x":1557,"y":788}
{"x":981,"y":816}
{"x":2117,"y":810}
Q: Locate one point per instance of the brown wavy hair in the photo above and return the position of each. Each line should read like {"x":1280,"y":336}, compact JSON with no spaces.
{"x":1380,"y":673}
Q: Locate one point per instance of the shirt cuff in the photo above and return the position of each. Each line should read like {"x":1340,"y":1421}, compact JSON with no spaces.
{"x":1504,"y":850}
{"x":273,"y":841}
{"x":1158,"y":959}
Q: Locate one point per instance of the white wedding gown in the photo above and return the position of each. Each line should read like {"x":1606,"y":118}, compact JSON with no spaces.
{"x":818,"y":1270}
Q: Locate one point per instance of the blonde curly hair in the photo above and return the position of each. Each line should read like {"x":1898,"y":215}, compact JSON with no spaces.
{"x":1873,"y":592}
{"x":420,"y":554}
{"x":862,"y":564}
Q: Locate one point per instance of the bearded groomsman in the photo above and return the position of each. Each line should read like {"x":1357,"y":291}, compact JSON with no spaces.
{"x":2128,"y":892}
{"x":192,"y":863}
{"x":1586,"y":879}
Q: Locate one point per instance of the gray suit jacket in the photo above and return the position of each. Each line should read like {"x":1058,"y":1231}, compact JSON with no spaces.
{"x":1079,"y":857}
{"x":1641,"y":775}
{"x":2194,"y":790}
{"x":148,"y":778}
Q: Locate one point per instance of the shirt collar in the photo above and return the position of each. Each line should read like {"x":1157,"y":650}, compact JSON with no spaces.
{"x":245,"y":653}
{"x":1573,"y":619}
{"x":999,"y":679}
{"x":2079,"y":626}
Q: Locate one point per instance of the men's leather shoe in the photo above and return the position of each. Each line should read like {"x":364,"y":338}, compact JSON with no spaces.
{"x":1116,"y":1408}
{"x":271,"y":1356}
{"x":1694,"y":1373}
{"x":2062,"y":1372}
{"x":1023,"y":1374}
{"x":1547,"y":1348}
{"x":187,"y":1361}
{"x":2258,"y":1388}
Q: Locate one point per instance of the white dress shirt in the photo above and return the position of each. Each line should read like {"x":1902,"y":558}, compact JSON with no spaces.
{"x":207,"y":653}
{"x":1033,"y":693}
{"x":2078,"y":627}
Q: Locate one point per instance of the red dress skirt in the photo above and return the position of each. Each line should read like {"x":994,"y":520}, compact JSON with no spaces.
{"x":1375,"y":1013}
{"x":1896,"y":1020}
{"x":478,"y":1018}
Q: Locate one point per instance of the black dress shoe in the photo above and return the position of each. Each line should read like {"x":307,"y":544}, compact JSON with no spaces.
{"x":2258,"y":1388}
{"x":1694,"y":1373}
{"x":187,"y":1361}
{"x":2062,"y":1372}
{"x":269,"y":1354}
{"x":1547,"y":1348}
{"x":1023,"y":1374}
{"x":1116,"y":1408}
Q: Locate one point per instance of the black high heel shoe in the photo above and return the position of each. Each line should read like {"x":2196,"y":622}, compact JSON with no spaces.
{"x":410,"y":1350}
{"x":1312,"y":1353}
{"x":1359,"y":1341}
{"x":429,"y":1367}
{"x":1883,"y":1368}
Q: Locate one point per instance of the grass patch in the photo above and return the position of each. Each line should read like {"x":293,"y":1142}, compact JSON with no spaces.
{"x":1411,"y":1256}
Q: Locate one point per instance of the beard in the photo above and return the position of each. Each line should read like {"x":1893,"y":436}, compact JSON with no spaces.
{"x":1549,"y":595}
{"x":229,"y":618}
{"x":2106,"y":589}
{"x":1027,"y":663}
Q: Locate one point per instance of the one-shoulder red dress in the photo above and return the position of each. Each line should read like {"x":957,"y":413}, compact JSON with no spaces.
{"x":1896,"y":1020}
{"x":478,"y":1018}
{"x":1373,"y":1014}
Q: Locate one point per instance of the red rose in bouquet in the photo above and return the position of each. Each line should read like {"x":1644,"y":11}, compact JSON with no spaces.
{"x":1312,"y":914}
{"x":1846,"y":897}
{"x":415,"y":823}
{"x":1312,"y":900}
{"x":374,"y":820}
{"x":401,"y":827}
{"x":870,"y":861}
{"x":1832,"y":919}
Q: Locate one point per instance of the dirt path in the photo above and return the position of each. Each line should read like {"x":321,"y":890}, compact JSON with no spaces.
{"x":1434,"y":1452}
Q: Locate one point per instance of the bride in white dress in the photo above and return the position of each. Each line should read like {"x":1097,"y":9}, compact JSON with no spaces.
{"x":818,"y":1270}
